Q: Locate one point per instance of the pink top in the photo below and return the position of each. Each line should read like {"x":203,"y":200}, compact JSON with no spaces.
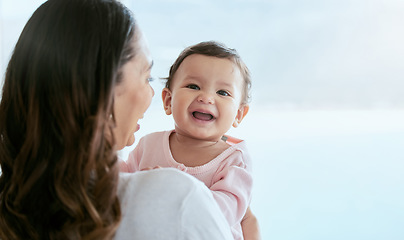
{"x":228,"y":176}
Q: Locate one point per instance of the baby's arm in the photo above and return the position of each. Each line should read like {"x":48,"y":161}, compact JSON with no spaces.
{"x":232,"y":191}
{"x":250,"y":226}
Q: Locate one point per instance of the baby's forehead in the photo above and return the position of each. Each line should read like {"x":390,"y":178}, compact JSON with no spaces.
{"x":207,"y":66}
{"x":197,"y":62}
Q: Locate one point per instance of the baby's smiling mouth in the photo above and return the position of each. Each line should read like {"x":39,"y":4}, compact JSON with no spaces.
{"x":202,"y":116}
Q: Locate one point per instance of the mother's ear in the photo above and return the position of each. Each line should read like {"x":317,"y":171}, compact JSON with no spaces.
{"x":166,"y":95}
{"x":241,"y":112}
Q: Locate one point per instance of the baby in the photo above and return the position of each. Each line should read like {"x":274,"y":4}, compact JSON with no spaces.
{"x":207,"y":92}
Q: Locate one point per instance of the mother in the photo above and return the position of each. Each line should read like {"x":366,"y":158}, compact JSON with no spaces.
{"x":74,"y":90}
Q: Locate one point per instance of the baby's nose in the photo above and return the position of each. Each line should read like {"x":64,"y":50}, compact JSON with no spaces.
{"x":206,"y":98}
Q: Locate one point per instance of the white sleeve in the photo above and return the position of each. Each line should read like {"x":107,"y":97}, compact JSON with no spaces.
{"x":168,"y":204}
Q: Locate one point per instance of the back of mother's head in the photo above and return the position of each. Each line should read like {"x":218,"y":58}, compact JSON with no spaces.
{"x":59,"y":172}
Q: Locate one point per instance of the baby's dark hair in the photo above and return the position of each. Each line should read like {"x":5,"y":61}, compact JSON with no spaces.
{"x":214,"y":49}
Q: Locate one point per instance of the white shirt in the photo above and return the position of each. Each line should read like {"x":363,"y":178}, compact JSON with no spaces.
{"x":168,"y":204}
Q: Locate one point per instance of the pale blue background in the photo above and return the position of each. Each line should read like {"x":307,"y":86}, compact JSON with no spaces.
{"x":325,"y":128}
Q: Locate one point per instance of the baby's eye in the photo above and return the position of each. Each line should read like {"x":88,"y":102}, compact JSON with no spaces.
{"x":150,"y":79}
{"x":193,"y":86}
{"x":223,"y":93}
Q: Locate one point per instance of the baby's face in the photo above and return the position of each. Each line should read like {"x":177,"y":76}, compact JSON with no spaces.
{"x":205,"y":97}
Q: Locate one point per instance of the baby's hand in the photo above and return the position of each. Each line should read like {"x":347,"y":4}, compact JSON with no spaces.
{"x":150,"y":168}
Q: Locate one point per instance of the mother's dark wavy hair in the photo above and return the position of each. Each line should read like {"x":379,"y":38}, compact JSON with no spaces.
{"x":59,"y":167}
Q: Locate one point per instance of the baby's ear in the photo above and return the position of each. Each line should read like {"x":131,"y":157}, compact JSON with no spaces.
{"x":241,"y":112}
{"x":166,"y":95}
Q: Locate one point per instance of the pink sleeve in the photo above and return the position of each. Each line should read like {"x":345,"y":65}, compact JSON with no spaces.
{"x":149,"y":152}
{"x":123,"y":167}
{"x":135,"y":157}
{"x":232,"y":189}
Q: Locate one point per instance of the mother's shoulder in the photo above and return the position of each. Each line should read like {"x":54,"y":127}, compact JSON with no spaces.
{"x":164,"y":180}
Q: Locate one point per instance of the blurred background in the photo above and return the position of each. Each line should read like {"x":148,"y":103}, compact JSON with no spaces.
{"x":326,"y":121}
